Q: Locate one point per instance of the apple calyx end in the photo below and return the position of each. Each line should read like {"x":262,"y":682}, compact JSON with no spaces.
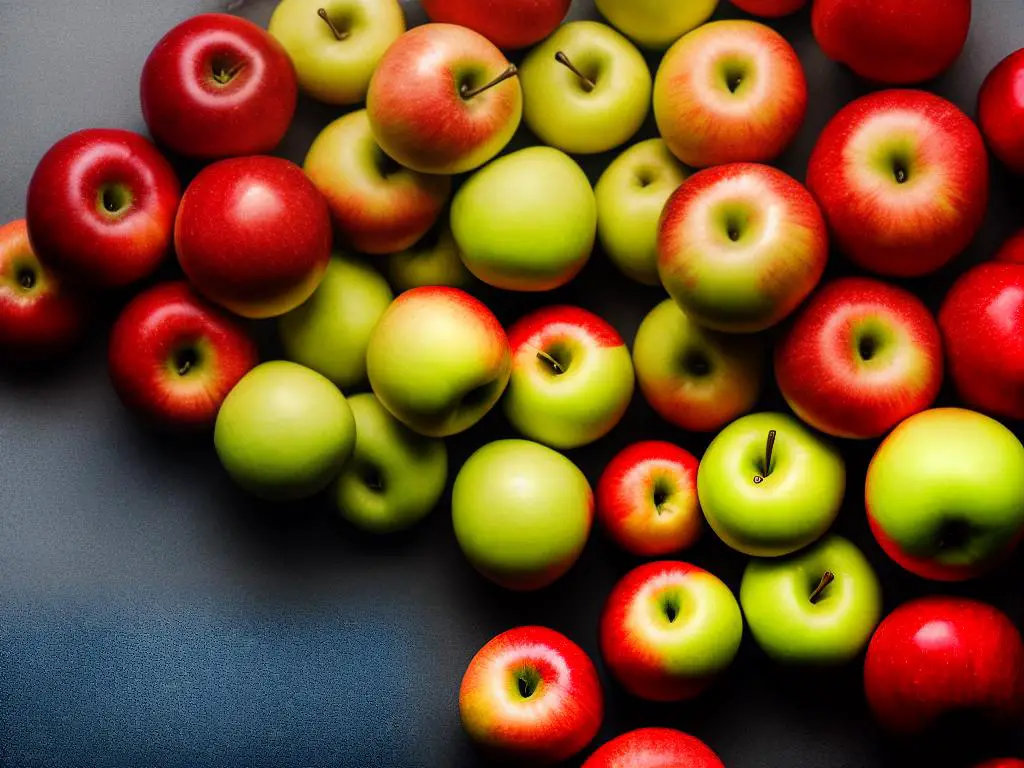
{"x":768,"y":448}
{"x":563,"y":59}
{"x":468,"y":93}
{"x":826,"y":578}
{"x":339,"y":34}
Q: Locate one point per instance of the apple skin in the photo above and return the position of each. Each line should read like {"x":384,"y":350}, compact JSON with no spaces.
{"x":253,"y":234}
{"x":580,"y":396}
{"x":562,"y":712}
{"x":417,"y":107}
{"x":654,"y":23}
{"x":647,"y":499}
{"x":908,"y":228}
{"x":191,"y":112}
{"x":330,"y":331}
{"x":522,"y":513}
{"x":173,"y":357}
{"x":377,"y":207}
{"x":730,"y":91}
{"x":1001,"y":111}
{"x":965,"y":512}
{"x":669,"y":630}
{"x":438,"y":360}
{"x":740,"y":246}
{"x":101,"y":206}
{"x":1013,"y":249}
{"x":434,"y":260}
{"x":771,"y":9}
{"x":331,"y":70}
{"x":860,"y":357}
{"x":695,"y":378}
{"x":939,"y":655}
{"x":898,"y":42}
{"x":509,"y":24}
{"x":654,"y":748}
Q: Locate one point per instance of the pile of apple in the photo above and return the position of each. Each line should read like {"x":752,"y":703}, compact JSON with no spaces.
{"x":897,"y":183}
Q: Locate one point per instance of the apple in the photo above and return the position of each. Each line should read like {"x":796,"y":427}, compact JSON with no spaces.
{"x":572,"y":377}
{"x":394,"y":477}
{"x":816,"y":607}
{"x":330,"y":331}
{"x":741,"y":246}
{"x":697,"y":379}
{"x":654,"y":748}
{"x":647,"y":499}
{"x":769,"y":486}
{"x":101,"y":207}
{"x":218,"y":86}
{"x":335,"y":44}
{"x":586,"y":89}
{"x":531,"y":695}
{"x":770,"y":8}
{"x":173,"y":358}
{"x":438,"y":360}
{"x":1013,"y":249}
{"x":506,"y":23}
{"x":895,"y":41}
{"x":1001,"y":111}
{"x":937,"y":656}
{"x":730,"y":91}
{"x":860,"y":357}
{"x":284,"y":431}
{"x":376,"y":205}
{"x":902,"y":178}
{"x":444,"y":100}
{"x":655,"y":23}
{"x":669,"y":630}
{"x":253,"y":234}
{"x":526,"y":222}
{"x":433,"y":260}
{"x":522,"y":513}
{"x":630,"y":195}
{"x":945,"y":494}
{"x":1005,"y":762}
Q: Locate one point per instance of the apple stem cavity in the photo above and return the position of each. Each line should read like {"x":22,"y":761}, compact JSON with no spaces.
{"x":562,"y":59}
{"x":768,"y":448}
{"x":468,"y":93}
{"x":339,"y":34}
{"x":224,"y":74}
{"x":556,"y":366}
{"x":826,"y":578}
{"x":26,"y":278}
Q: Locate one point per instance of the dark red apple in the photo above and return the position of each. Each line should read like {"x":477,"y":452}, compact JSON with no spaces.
{"x":654,"y":748}
{"x":1004,"y":762}
{"x":506,"y":23}
{"x":1001,"y":110}
{"x":770,"y":8}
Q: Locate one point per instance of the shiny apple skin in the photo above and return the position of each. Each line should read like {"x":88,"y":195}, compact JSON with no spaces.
{"x":1001,"y":111}
{"x":509,"y":24}
{"x":654,"y":748}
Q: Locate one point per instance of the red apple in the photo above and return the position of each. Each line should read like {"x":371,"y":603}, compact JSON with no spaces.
{"x":892,"y":41}
{"x":1005,"y":762}
{"x":940,"y":655}
{"x":533,"y":695}
{"x":654,"y":748}
{"x":860,"y":357}
{"x":506,"y":23}
{"x":770,"y":8}
{"x":647,"y":499}
{"x":902,"y":177}
{"x":1001,"y":110}
{"x":101,"y":206}
{"x":1013,"y":249}
{"x":254,"y":235}
{"x":174,"y":358}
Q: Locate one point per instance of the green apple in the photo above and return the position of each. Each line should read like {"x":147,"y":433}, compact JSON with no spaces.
{"x":527,"y":221}
{"x":335,"y":44}
{"x":394,"y":477}
{"x":819,"y":606}
{"x":656,"y":23}
{"x":522,"y":513}
{"x":586,"y":89}
{"x":631,"y":194}
{"x":331,"y":330}
{"x":284,"y":431}
{"x":769,"y":486}
{"x":434,"y":260}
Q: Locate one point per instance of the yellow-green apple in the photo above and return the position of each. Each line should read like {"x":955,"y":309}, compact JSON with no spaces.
{"x":438,"y":360}
{"x":572,"y":377}
{"x":173,"y":357}
{"x":647,"y":499}
{"x":655,"y":23}
{"x":284,"y":431}
{"x":330,"y":331}
{"x":730,"y":91}
{"x":769,"y":486}
{"x":377,"y":206}
{"x":741,"y":246}
{"x":630,"y":195}
{"x":945,"y":494}
{"x":217,"y":86}
{"x":654,"y":748}
{"x":253,"y":234}
{"x":586,"y":89}
{"x":506,"y":23}
{"x":896,"y":41}
{"x":816,"y":607}
{"x":522,"y":513}
{"x":336,"y":44}
{"x":770,"y":8}
{"x":902,"y":178}
{"x":394,"y":477}
{"x":1001,"y":111}
{"x":433,"y":260}
{"x":695,"y":378}
{"x":526,"y":222}
{"x":937,"y":657}
{"x":669,"y":630}
{"x":860,"y":357}
{"x":101,"y":205}
{"x":531,"y":695}
{"x":444,"y":100}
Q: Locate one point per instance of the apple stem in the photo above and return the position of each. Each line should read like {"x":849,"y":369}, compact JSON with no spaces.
{"x":225,"y":76}
{"x":339,"y":35}
{"x":562,"y":59}
{"x":826,"y":578}
{"x":555,"y":365}
{"x":768,"y":448}
{"x":468,"y":93}
{"x":185,"y":367}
